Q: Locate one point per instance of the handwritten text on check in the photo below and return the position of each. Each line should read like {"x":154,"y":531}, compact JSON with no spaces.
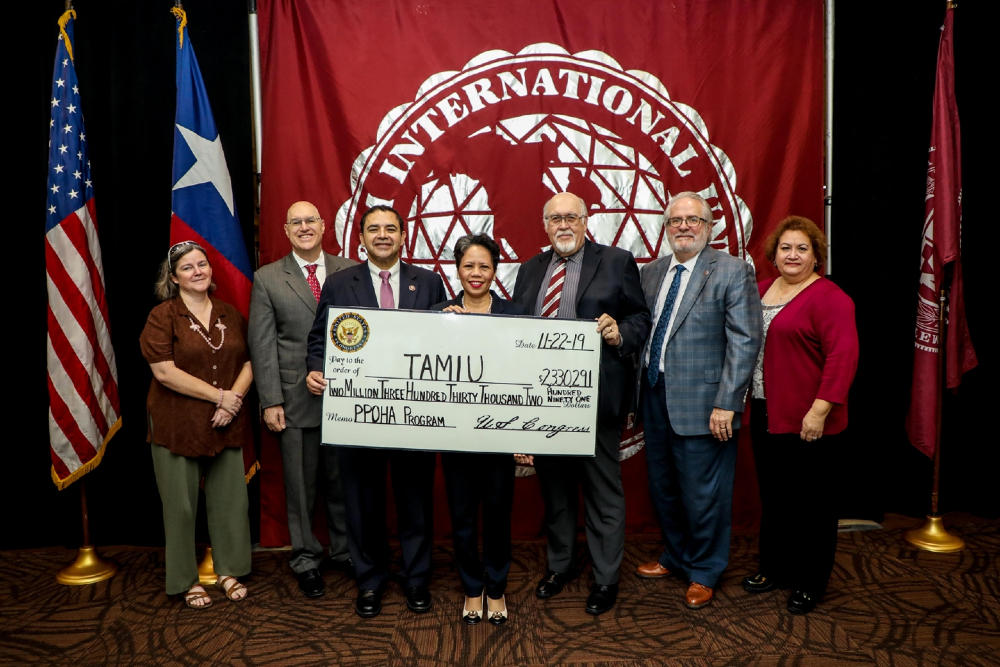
{"x":461,"y":382}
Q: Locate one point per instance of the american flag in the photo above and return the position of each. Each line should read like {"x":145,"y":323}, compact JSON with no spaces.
{"x":84,"y":410}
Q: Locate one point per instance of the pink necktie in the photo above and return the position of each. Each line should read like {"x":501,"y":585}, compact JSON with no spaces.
{"x":313,"y":282}
{"x":387,"y":300}
{"x":550,"y":305}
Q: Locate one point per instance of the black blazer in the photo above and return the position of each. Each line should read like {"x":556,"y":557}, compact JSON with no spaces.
{"x":609,"y":283}
{"x":419,"y":289}
{"x":500,"y":306}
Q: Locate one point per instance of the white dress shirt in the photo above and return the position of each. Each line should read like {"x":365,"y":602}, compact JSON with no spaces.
{"x":320,"y":267}
{"x":393,"y":282}
{"x":661,"y":298}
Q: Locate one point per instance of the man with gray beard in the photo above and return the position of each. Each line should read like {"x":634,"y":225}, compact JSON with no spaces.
{"x":580,"y":279}
{"x":696,"y":367}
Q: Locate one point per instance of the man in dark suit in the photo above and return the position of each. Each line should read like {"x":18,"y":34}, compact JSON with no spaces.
{"x":579,"y":279}
{"x":382,"y":282}
{"x":282,"y":310}
{"x":707,"y":330}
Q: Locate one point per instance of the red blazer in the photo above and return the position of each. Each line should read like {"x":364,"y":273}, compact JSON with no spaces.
{"x":811,"y":352}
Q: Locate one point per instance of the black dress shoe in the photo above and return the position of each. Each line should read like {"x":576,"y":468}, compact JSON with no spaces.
{"x":418,"y":599}
{"x":758,"y":583}
{"x":551,"y":584}
{"x":369,"y":602}
{"x":602,"y":598}
{"x":311,"y":583}
{"x":801,"y":602}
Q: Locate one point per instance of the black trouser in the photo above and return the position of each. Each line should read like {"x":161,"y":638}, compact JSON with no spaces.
{"x":600,"y":477}
{"x":798,"y":526}
{"x":470,"y":479}
{"x":363,"y":474}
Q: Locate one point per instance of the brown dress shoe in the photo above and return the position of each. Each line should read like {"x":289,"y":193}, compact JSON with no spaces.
{"x":697,"y":596}
{"x":651,"y":570}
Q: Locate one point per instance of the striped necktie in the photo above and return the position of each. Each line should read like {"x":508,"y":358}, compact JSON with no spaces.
{"x":550,"y":305}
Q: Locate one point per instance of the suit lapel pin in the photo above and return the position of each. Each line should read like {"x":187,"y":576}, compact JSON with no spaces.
{"x":413,"y":288}
{"x":706,"y":272}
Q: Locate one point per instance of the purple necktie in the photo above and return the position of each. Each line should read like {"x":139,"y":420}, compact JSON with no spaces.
{"x":387,"y":300}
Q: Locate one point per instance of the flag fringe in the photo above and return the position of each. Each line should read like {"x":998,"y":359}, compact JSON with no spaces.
{"x":63,"y":20}
{"x":183,"y":18}
{"x":253,"y":471}
{"x":62,"y":483}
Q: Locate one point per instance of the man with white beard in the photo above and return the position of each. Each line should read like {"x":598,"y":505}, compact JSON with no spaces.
{"x":707,"y":331}
{"x":580,"y":279}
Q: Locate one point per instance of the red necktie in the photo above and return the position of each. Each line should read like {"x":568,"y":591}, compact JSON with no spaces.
{"x":313,"y":282}
{"x":550,"y":305}
{"x":386,"y":291}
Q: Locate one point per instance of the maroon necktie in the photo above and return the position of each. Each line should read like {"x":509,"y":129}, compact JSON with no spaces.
{"x":386,"y":291}
{"x":550,"y":305}
{"x":313,"y":282}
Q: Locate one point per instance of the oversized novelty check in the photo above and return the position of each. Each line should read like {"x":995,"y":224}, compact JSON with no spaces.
{"x":461,"y":382}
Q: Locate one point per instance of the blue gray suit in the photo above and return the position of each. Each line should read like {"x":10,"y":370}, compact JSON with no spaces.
{"x":708,"y":362}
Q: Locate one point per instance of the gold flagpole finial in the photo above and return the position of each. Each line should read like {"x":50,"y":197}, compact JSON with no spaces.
{"x":63,"y":21}
{"x":178,"y":11}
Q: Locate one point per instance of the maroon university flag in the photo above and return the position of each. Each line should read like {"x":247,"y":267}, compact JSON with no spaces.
{"x":466,"y":117}
{"x":942,"y":246}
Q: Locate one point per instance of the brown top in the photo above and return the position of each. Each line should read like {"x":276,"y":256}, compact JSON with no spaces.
{"x":181,"y":423}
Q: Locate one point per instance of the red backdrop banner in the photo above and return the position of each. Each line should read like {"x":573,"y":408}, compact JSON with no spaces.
{"x":467,"y":117}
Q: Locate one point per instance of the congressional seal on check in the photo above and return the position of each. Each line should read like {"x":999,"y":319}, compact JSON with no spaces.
{"x":470,"y":383}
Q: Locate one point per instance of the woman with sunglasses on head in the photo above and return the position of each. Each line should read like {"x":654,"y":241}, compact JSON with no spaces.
{"x":196,"y":347}
{"x":473,"y":478}
{"x":797,"y":412}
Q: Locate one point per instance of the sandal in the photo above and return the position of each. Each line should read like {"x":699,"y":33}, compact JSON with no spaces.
{"x":233,"y":588}
{"x":192,"y":595}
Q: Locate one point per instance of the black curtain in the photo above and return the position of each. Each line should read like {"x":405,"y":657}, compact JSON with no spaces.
{"x":124,"y":56}
{"x":885,"y":67}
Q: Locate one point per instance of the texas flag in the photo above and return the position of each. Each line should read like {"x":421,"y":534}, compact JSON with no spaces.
{"x":202,"y":198}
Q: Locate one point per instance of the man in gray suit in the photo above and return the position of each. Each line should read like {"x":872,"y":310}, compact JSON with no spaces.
{"x":282,"y":310}
{"x":697,"y":365}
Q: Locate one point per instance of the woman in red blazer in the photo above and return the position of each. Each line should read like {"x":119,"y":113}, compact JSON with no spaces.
{"x":798,"y":409}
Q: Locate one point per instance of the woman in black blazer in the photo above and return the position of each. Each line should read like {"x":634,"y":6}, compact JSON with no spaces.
{"x":473,"y":478}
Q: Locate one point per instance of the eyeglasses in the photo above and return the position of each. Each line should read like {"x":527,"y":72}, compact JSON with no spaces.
{"x":570,"y":219}
{"x":295,"y":223}
{"x":692,"y":221}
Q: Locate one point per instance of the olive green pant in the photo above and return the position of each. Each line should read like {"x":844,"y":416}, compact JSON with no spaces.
{"x":178,"y":478}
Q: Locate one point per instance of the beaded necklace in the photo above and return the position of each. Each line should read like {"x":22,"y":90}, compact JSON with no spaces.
{"x":218,"y":325}
{"x":489,"y":308}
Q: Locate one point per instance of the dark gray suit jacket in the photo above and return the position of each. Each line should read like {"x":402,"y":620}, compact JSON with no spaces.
{"x":419,"y":289}
{"x":609,"y":283}
{"x":282,"y":310}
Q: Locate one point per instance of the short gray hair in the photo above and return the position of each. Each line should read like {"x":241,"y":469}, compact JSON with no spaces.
{"x":165,"y":288}
{"x":705,"y":208}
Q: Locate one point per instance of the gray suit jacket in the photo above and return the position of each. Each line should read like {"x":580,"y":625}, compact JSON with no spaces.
{"x":282,"y":310}
{"x":711,"y":350}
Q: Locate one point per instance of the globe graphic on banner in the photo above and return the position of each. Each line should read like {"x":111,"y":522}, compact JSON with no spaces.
{"x":629,"y":214}
{"x":482,"y":149}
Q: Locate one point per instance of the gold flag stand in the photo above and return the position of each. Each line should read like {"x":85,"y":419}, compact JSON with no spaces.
{"x":206,"y":569}
{"x":88,"y":568}
{"x":933,"y":536}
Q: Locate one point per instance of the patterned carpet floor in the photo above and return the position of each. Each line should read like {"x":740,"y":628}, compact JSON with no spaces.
{"x":888,"y":605}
